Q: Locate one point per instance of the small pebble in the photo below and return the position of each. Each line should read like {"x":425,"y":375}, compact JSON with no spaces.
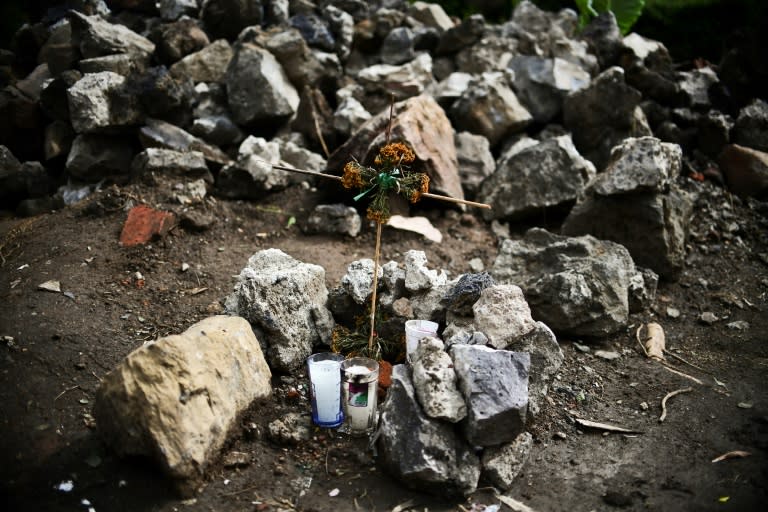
{"x":708,"y":318}
{"x":673,"y":312}
{"x":608,"y":355}
{"x":560,"y":435}
{"x":738,"y":325}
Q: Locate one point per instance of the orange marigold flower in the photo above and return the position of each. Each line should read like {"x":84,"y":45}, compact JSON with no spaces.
{"x":396,"y":153}
{"x":352,"y":177}
{"x":424,"y":184}
{"x":377,"y":215}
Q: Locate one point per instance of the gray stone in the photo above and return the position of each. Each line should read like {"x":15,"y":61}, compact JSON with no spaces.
{"x":417,"y":276}
{"x":334,"y":219}
{"x":252,"y":174}
{"x":542,"y":84}
{"x":314,"y":30}
{"x":427,"y":304}
{"x":460,"y":299}
{"x":604,"y":38}
{"x":397,"y":46}
{"x":99,"y":102}
{"x":603,"y":114}
{"x":421,"y":122}
{"x":176,"y":40}
{"x":168,"y":162}
{"x":435,"y":382}
{"x":97,"y":37}
{"x":491,"y":53}
{"x":158,"y":133}
{"x":342,"y":26}
{"x":349,"y":116}
{"x":502,"y":464}
{"x":393,"y":282}
{"x":546,"y":359}
{"x":695,"y":85}
{"x":123,"y":64}
{"x":431,"y":15}
{"x":502,"y":314}
{"x":751,"y":128}
{"x":176,"y":399}
{"x":303,"y":65}
{"x":545,"y":175}
{"x":358,"y":281}
{"x":642,"y":164}
{"x":404,"y":81}
{"x":648,"y":212}
{"x":93,"y":158}
{"x":450,"y":88}
{"x":59,"y":51}
{"x":285,"y":300}
{"x":576,"y":286}
{"x":424,"y":454}
{"x":206,"y":65}
{"x":460,"y":36}
{"x":258,"y":89}
{"x":173,"y":9}
{"x":642,"y":289}
{"x":489,"y":107}
{"x":300,"y":158}
{"x":475,"y":161}
{"x":219,"y":130}
{"x":495,"y":388}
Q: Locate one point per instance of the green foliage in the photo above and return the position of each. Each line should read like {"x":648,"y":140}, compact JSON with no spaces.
{"x":626,"y":11}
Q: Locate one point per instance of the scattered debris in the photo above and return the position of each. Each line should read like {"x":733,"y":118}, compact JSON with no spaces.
{"x":673,"y":312}
{"x":708,"y":318}
{"x":50,"y":286}
{"x":608,"y":355}
{"x":738,"y":325}
{"x":514,"y":504}
{"x":744,"y":405}
{"x":334,"y":492}
{"x":145,"y":223}
{"x":732,"y":455}
{"x":667,"y":397}
{"x":420,"y":225}
{"x":605,"y":426}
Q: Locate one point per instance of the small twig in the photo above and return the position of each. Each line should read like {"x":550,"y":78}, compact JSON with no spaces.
{"x":684,"y":361}
{"x":318,"y":131}
{"x":391,"y":115}
{"x":94,"y":374}
{"x":76,"y":386}
{"x":667,"y":397}
{"x":241,"y":491}
{"x":455,"y":200}
{"x":682,"y":374}
{"x":327,"y":451}
{"x":639,"y":341}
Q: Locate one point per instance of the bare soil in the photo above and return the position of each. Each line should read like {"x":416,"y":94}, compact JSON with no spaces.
{"x":57,"y":346}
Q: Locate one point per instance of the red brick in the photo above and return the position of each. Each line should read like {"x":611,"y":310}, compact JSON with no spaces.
{"x":144,"y":224}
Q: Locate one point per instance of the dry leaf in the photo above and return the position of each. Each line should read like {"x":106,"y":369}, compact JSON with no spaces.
{"x":732,"y":455}
{"x":655,"y":341}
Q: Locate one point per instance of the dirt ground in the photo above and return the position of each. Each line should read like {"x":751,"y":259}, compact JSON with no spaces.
{"x":56,"y":347}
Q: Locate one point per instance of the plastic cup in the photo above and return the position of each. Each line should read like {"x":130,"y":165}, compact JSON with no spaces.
{"x":414,"y":331}
{"x":359,"y":386}
{"x":325,"y":388}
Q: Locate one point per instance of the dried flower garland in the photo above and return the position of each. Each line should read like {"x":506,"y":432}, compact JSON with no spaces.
{"x":391,"y":174}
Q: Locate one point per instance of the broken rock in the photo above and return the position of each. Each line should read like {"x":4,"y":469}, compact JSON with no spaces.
{"x":495,"y":388}
{"x":285,"y":301}
{"x":421,"y":452}
{"x":145,"y":223}
{"x":435,"y":382}
{"x":175,"y":399}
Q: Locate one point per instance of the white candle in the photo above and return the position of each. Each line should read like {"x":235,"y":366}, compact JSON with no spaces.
{"x":326,"y":391}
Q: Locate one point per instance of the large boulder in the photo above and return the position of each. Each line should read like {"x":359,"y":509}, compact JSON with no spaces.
{"x":545,"y":175}
{"x":577,"y":286}
{"x":285,"y":302}
{"x":603,"y":114}
{"x":99,"y":102}
{"x":423,"y":453}
{"x":96,"y":37}
{"x":421,"y":122}
{"x":175,"y":399}
{"x":258,"y":89}
{"x":636,"y":203}
{"x":490,"y":107}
